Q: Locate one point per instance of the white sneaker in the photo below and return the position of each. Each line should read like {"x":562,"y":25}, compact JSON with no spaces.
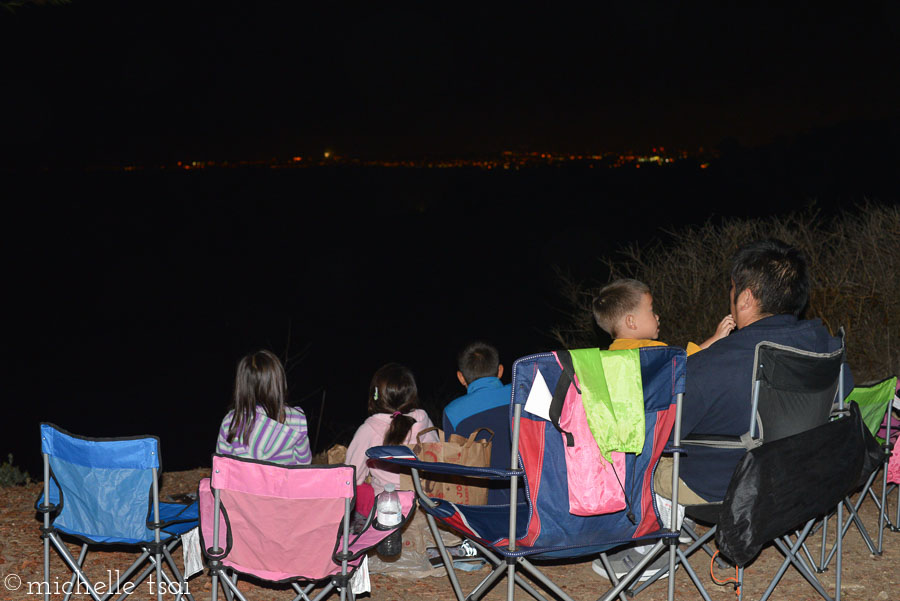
{"x":684,"y":538}
{"x":623,"y":562}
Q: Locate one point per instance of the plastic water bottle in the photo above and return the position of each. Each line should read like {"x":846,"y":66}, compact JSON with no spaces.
{"x":388,"y":516}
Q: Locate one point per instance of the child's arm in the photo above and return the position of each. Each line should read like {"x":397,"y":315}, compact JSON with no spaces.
{"x":724,"y":329}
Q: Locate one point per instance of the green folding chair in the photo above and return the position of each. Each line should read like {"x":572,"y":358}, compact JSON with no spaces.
{"x":874,"y":403}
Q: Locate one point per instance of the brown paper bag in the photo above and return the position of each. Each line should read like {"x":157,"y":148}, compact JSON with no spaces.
{"x":337,"y":454}
{"x":458,"y":450}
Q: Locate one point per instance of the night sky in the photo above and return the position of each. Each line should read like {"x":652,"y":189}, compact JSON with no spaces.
{"x":131,"y":296}
{"x":118,"y":82}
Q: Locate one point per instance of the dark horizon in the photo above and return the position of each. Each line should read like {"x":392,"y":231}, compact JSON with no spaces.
{"x":135,"y":292}
{"x":105,"y":82}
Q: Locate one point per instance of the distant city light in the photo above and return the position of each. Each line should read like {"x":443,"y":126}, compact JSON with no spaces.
{"x":506,"y":160}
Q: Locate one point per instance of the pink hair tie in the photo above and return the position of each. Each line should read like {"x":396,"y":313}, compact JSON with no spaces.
{"x":395,"y":414}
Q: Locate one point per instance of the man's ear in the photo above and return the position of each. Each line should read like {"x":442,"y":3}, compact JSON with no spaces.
{"x":500,"y":371}
{"x":746,"y":300}
{"x":461,"y":379}
{"x":629,"y":321}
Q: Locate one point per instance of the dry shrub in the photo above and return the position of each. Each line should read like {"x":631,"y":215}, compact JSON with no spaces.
{"x":854,"y":259}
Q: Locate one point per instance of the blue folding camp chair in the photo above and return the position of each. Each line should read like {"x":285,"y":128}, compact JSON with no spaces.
{"x":543,"y":527}
{"x":104,"y":492}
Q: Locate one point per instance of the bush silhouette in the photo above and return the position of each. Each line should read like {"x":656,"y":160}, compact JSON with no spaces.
{"x":854,"y":260}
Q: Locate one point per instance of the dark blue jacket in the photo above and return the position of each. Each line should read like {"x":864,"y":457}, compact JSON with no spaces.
{"x":718,"y":394}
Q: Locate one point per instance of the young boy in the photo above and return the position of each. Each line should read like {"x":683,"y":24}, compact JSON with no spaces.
{"x":624,"y":310}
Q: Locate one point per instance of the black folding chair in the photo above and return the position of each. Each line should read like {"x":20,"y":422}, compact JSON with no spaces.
{"x":793,"y":391}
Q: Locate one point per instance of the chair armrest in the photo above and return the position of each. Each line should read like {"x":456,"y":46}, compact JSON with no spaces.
{"x":403,"y":456}
{"x":718,"y":441}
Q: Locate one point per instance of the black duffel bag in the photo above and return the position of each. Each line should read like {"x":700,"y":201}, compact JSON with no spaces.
{"x":780,"y":485}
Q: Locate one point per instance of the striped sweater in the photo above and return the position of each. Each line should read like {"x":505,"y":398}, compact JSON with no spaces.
{"x":286,"y":443}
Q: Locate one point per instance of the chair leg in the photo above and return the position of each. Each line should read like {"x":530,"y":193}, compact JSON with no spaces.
{"x":229,"y":585}
{"x":882,"y":507}
{"x":824,"y":547}
{"x":47,"y":567}
{"x":895,"y":527}
{"x":326,"y":590}
{"x":699,"y":543}
{"x":496,"y":561}
{"x":635,"y":572}
{"x":485,"y":584}
{"x":604,"y":559}
{"x":539,"y":576}
{"x":220,"y":578}
{"x":75,"y":567}
{"x":892,"y":525}
{"x":852,"y":508}
{"x":854,"y":518}
{"x":303,"y":593}
{"x":692,"y":575}
{"x":791,"y":558}
{"x":448,"y":562}
{"x":840,"y":554}
{"x":74,"y":578}
{"x":179,"y":582}
{"x":215,"y":586}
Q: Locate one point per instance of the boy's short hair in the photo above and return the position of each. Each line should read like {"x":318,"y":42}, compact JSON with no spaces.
{"x":478,"y":360}
{"x":775,"y":272}
{"x":615,"y":300}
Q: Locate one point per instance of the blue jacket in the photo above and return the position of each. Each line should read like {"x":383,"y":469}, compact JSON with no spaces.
{"x":718,"y":394}
{"x":486,"y":405}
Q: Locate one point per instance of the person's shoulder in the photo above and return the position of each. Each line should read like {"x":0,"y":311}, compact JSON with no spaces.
{"x":628,"y":344}
{"x":371,"y":426}
{"x":623,"y":344}
{"x":420,"y":415}
{"x":295,"y":418}
{"x":374,"y":420}
{"x":456,"y":402}
{"x":294,"y":412}
{"x":226,"y":421}
{"x":724,"y":349}
{"x":824,"y":340}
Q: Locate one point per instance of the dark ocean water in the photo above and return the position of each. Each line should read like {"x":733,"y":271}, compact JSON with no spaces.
{"x":133,"y":295}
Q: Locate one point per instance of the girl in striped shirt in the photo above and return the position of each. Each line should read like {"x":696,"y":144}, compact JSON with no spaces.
{"x":259,"y":424}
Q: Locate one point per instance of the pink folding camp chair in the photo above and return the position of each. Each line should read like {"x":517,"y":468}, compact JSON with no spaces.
{"x":284,"y":524}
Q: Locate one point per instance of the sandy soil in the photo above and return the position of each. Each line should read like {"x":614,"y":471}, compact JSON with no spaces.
{"x":866,"y":577}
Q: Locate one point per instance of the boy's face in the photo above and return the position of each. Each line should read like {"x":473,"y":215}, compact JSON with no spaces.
{"x":643,"y":322}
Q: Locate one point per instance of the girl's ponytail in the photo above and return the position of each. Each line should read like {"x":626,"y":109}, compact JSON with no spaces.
{"x":393,"y":391}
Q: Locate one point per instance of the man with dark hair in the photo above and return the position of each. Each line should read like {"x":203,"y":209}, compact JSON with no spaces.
{"x":485,"y":405}
{"x":770,"y":288}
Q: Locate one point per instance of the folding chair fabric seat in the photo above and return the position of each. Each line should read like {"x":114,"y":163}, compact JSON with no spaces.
{"x":283,"y":523}
{"x":544,"y":527}
{"x":104,"y":491}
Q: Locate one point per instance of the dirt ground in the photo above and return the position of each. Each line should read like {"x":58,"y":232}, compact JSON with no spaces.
{"x":866,"y":577}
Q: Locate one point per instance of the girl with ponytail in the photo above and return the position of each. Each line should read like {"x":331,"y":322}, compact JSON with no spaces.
{"x":394,"y":419}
